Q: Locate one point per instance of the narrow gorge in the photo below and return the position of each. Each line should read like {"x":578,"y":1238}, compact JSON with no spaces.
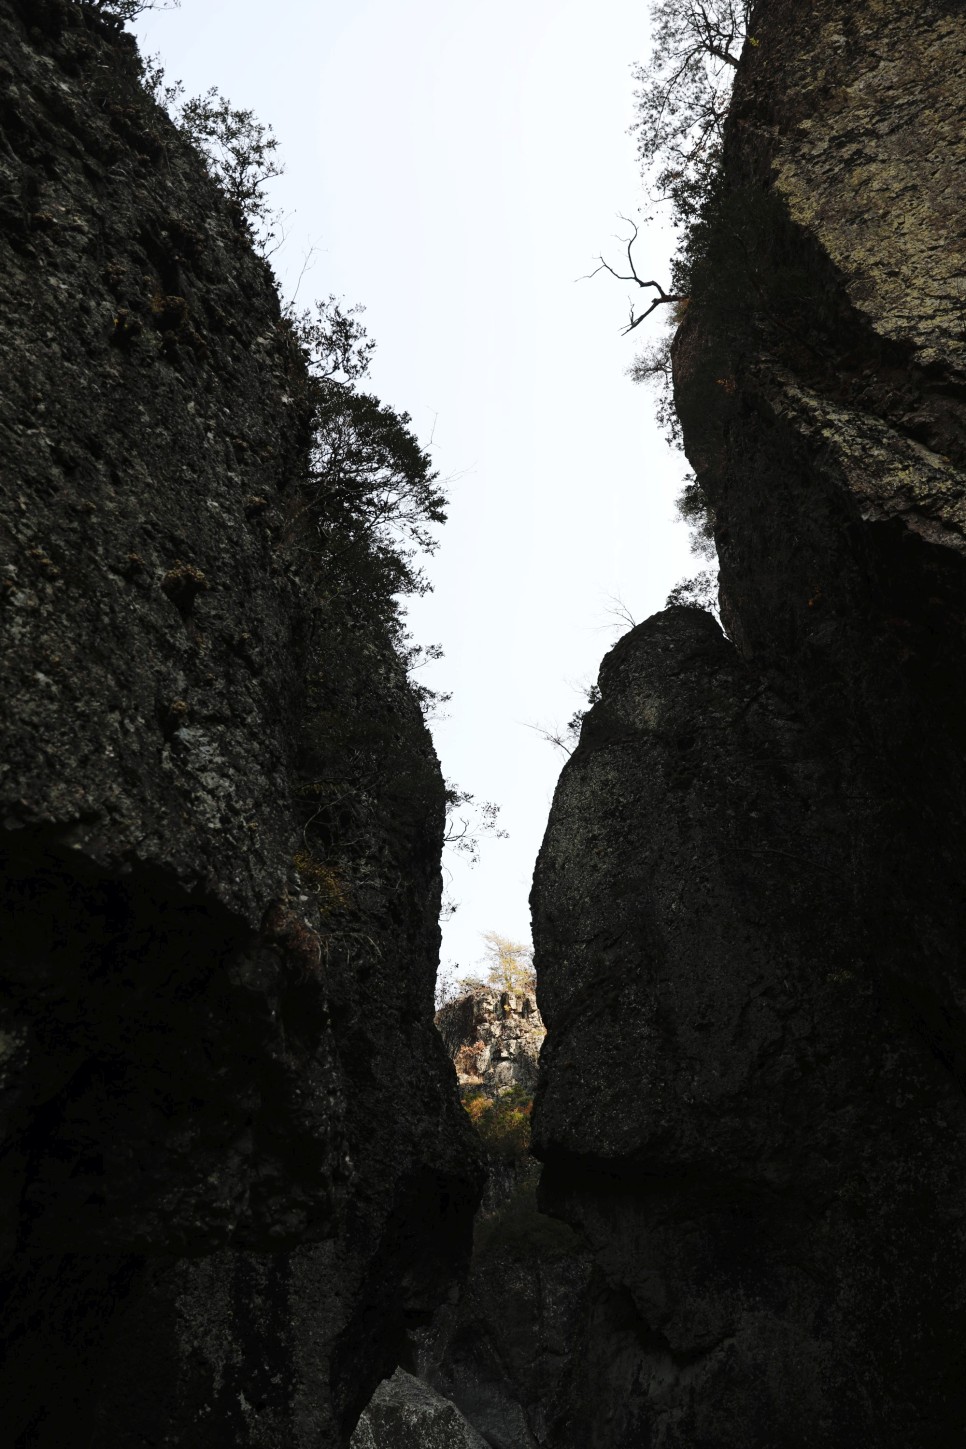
{"x":253,"y":1195}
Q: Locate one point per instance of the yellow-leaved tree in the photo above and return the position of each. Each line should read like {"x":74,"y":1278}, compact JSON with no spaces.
{"x":509,"y":964}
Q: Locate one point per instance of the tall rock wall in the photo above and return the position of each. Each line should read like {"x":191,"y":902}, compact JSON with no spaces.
{"x":234,"y":1168}
{"x":748,"y":908}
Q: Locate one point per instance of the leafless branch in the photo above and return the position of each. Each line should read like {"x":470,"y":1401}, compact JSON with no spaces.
{"x":662,"y":299}
{"x":619,"y":612}
{"x":552,"y":737}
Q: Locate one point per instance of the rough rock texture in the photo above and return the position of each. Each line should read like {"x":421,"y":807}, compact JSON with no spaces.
{"x":748,"y":909}
{"x":234,"y":1166}
{"x":407,"y":1414}
{"x":500,"y":1349}
{"x":494,"y":1039}
{"x":502,"y":1352}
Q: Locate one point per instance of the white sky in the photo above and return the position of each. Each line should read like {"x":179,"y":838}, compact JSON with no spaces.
{"x":456,"y":165}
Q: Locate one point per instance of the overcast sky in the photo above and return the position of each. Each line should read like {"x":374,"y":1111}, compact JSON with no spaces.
{"x":456,"y":166}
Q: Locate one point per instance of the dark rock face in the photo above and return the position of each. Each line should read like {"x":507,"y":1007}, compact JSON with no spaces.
{"x":748,"y":909}
{"x":739,"y":1110}
{"x":234,"y":1166}
{"x":503,"y":1352}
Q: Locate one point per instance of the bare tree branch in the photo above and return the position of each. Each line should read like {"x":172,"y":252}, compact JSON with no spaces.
{"x":663,"y":297}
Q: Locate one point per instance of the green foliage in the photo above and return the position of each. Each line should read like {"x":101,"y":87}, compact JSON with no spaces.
{"x":682,"y":100}
{"x":683,"y":96}
{"x":240,"y":153}
{"x":370,"y":486}
{"x":695,"y":510}
{"x":652,"y":368}
{"x":370,"y":498}
{"x":373,"y":499}
{"x":430,"y":701}
{"x":376,"y":483}
{"x":502,"y":1122}
{"x":370,"y":489}
{"x":238,"y":150}
{"x":336,"y":346}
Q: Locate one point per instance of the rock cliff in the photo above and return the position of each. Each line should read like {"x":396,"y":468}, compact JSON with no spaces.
{"x":235,"y":1170}
{"x":494,"y":1039}
{"x":748,"y":908}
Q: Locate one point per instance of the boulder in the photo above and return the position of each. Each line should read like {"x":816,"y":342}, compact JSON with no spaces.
{"x":407,"y":1414}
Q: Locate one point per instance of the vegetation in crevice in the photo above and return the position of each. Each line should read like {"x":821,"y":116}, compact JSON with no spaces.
{"x":502,"y":1122}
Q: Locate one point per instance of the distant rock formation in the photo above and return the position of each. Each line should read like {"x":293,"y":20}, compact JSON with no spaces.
{"x":235,"y":1170}
{"x":748,"y":909}
{"x":494,"y":1038}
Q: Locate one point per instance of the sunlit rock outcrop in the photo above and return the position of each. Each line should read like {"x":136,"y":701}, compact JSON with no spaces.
{"x":494,"y":1038}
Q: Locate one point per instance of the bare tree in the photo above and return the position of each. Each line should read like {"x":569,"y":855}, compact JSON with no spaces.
{"x":567,"y":737}
{"x":662,"y":299}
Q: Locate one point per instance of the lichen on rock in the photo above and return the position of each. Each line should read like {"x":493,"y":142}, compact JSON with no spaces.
{"x":235,"y":1166}
{"x":748,"y":921}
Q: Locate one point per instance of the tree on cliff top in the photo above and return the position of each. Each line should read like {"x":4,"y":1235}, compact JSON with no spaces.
{"x":509,"y":964}
{"x":682,"y":100}
{"x":509,"y":967}
{"x":683,"y":96}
